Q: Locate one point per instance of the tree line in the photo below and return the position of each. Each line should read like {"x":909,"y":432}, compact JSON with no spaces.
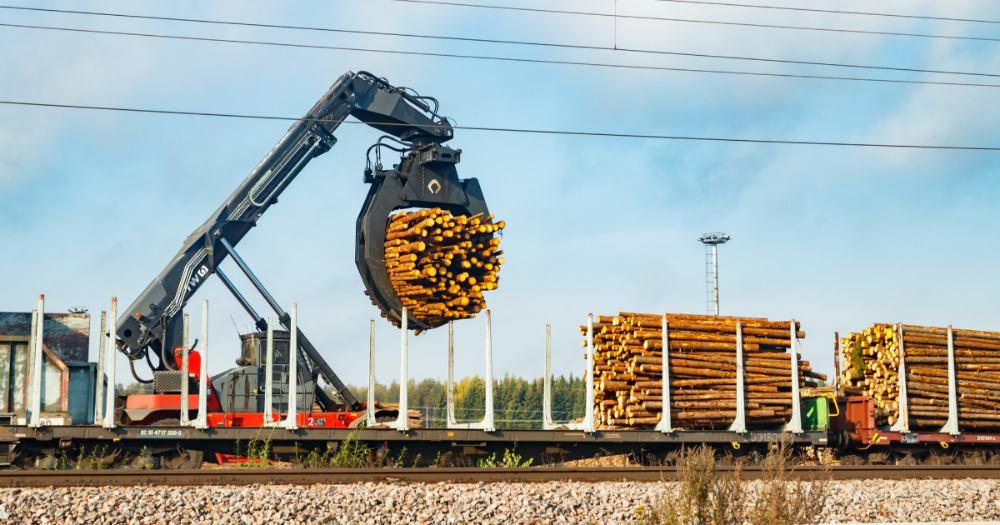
{"x":517,"y":402}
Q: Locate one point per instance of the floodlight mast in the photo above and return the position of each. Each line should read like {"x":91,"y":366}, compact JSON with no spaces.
{"x":712,"y":240}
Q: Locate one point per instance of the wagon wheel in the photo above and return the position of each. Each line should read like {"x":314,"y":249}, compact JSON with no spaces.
{"x":179,"y":457}
{"x":182,"y":458}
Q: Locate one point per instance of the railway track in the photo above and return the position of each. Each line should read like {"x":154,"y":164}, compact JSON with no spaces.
{"x":74,"y":478}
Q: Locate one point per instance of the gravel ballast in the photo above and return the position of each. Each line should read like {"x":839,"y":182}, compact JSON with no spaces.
{"x":554,"y":502}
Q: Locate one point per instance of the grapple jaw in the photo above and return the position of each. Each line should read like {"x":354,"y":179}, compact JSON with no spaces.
{"x":425,"y":178}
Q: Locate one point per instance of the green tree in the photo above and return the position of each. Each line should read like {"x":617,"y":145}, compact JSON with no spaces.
{"x":517,"y":402}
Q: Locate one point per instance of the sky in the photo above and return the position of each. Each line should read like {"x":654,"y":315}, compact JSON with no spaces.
{"x":93,"y":204}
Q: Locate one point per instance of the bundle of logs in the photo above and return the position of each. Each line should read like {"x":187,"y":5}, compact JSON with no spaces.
{"x":440,"y":264}
{"x":414,"y":418}
{"x":628,"y":370}
{"x":870,"y":367}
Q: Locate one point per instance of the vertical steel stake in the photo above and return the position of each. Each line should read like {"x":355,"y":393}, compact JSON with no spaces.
{"x":665,"y":425}
{"x":185,"y":373}
{"x":836,"y":365}
{"x":740,"y":423}
{"x":795,"y":425}
{"x":450,"y":412}
{"x":32,"y":364}
{"x":547,"y":422}
{"x":36,"y":372}
{"x":370,"y":409}
{"x":99,"y":380}
{"x":291,"y":420}
{"x":588,"y":418}
{"x":403,"y":421}
{"x":903,"y":423}
{"x":951,"y":426}
{"x":202,"y":421}
{"x":488,"y":425}
{"x":269,"y":374}
{"x":112,"y":334}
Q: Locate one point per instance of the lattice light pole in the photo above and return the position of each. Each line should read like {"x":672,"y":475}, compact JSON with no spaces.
{"x":712,"y":241}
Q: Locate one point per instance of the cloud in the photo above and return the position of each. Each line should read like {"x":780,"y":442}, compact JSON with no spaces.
{"x":102,"y":201}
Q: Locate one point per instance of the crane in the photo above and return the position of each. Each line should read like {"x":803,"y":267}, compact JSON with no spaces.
{"x":426,"y":176}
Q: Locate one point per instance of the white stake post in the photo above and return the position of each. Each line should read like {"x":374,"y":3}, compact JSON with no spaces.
{"x":99,"y":387}
{"x":34,"y":390}
{"x":370,"y":415}
{"x":740,"y":423}
{"x":269,"y":375}
{"x":588,"y":418}
{"x":36,"y":379}
{"x":795,"y":425}
{"x":951,"y":426}
{"x":403,"y":419}
{"x":665,"y":425}
{"x":291,"y":421}
{"x":202,"y":421}
{"x":109,"y":409}
{"x":488,"y":424}
{"x":903,"y":423}
{"x":547,"y":422}
{"x":32,"y":339}
{"x":185,"y":375}
{"x":450,"y":420}
{"x":587,"y":425}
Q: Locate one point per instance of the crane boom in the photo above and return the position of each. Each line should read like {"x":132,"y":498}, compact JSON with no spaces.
{"x":152,"y":324}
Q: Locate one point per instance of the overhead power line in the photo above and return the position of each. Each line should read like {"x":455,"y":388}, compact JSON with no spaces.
{"x":502,"y":58}
{"x":834,"y":11}
{"x":490,"y":41}
{"x":512,"y":130}
{"x":695,"y":21}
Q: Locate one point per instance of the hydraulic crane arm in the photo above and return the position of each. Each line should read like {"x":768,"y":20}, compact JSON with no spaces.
{"x":152,"y":324}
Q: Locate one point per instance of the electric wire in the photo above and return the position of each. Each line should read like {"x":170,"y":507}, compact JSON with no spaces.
{"x":695,"y":21}
{"x":503,"y":58}
{"x":490,"y":41}
{"x":834,"y":11}
{"x":511,"y":130}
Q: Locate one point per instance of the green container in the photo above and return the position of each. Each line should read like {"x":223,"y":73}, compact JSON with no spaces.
{"x":815,"y":413}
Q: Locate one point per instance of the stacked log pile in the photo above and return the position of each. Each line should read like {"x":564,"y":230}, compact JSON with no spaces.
{"x":440,"y":264}
{"x":628,"y":368}
{"x":414,"y":418}
{"x":871,"y":367}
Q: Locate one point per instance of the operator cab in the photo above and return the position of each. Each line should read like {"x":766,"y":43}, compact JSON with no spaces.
{"x":242,"y":389}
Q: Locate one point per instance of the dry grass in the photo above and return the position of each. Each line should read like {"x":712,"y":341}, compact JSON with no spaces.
{"x":782,"y":500}
{"x":704,"y":496}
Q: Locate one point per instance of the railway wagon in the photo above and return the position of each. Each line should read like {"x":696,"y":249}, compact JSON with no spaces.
{"x":46,"y":426}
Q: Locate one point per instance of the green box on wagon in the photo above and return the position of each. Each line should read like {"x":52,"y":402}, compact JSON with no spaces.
{"x":815,"y":413}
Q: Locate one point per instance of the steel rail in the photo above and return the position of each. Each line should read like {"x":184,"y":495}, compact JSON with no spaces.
{"x":77,"y":478}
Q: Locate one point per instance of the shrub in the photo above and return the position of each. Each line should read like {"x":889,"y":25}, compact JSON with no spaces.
{"x":703,"y":495}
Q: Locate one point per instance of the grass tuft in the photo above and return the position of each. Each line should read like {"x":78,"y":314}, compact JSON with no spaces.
{"x":704,"y":496}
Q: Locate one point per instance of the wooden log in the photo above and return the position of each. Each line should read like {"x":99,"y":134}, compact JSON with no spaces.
{"x":942,"y":351}
{"x":914,"y":386}
{"x":939,"y":373}
{"x":958,"y":342}
{"x":977,"y":334}
{"x":958,"y":359}
{"x":686,"y":335}
{"x":699,"y":322}
{"x":655,"y":344}
{"x":983,"y":384}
